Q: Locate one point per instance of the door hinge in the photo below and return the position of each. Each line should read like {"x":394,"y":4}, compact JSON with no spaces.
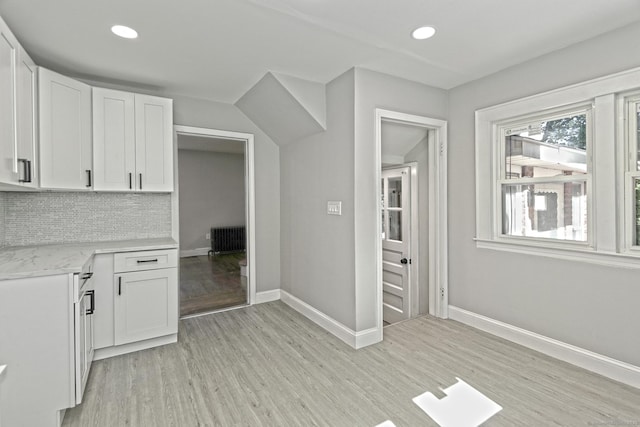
{"x":441,"y":148}
{"x":441,"y":292}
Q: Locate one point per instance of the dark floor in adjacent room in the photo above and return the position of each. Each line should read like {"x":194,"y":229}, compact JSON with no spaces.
{"x":209,"y":283}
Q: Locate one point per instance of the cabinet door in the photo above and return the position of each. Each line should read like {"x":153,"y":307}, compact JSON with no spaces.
{"x":81,"y":346}
{"x":8,"y":136}
{"x":146,"y":305}
{"x":154,"y":143}
{"x":26,"y":120}
{"x":103,"y":288}
{"x":65,"y":132}
{"x":113,"y":140}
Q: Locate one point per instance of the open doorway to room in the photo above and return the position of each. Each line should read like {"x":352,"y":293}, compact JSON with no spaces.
{"x":404,"y":197}
{"x":213,"y":207}
{"x":412,"y":267}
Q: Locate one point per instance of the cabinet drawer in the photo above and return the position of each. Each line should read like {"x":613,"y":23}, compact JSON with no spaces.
{"x":145,"y":260}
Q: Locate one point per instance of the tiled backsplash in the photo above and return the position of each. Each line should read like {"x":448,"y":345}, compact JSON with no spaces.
{"x":2,"y":219}
{"x":43,"y":218}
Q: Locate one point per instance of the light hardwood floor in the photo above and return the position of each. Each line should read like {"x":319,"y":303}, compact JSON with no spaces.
{"x":267,"y":365}
{"x":210,"y":283}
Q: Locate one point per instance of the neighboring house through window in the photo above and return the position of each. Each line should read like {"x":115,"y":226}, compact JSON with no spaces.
{"x":558,"y":174}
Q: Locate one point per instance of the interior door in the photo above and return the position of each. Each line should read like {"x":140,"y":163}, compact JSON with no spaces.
{"x":396,"y":233}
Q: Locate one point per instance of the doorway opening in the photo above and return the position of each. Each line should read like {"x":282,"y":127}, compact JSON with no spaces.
{"x":412,"y":250}
{"x":213,"y":219}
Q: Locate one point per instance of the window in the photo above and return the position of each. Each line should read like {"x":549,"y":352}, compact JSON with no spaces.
{"x":558,"y":173}
{"x":633,"y":169}
{"x":543,"y":185}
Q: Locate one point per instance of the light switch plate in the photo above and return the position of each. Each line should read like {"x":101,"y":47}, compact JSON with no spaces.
{"x":334,"y":208}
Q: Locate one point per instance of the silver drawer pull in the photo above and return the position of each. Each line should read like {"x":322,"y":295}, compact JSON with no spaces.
{"x":140,"y":261}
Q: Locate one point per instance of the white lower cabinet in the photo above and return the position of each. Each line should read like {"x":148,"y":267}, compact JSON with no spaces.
{"x":37,"y":343}
{"x":84,"y":328}
{"x":137,"y":301}
{"x":145,"y":305}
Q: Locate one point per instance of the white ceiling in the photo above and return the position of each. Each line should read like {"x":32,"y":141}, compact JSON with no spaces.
{"x":217,"y":49}
{"x":398,"y":139}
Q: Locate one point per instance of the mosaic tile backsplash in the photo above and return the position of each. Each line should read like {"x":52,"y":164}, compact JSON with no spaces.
{"x":2,"y":204}
{"x":43,"y":218}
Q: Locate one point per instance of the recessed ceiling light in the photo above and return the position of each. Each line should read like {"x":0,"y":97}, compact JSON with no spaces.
{"x":125,"y":32}
{"x":423,"y":33}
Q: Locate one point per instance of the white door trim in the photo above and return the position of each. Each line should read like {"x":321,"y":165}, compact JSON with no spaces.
{"x":438,"y":242}
{"x":250,"y":195}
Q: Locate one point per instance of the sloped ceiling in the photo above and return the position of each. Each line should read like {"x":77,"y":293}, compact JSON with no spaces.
{"x":285,"y":108}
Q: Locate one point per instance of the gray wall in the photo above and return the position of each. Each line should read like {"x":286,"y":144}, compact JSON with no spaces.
{"x":215,"y":115}
{"x":44,"y":218}
{"x":329,"y":262}
{"x":317,"y":249}
{"x":212,"y":194}
{"x":590,"y":306}
{"x":374,"y":90}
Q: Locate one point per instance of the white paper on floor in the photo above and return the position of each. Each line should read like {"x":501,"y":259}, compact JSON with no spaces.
{"x":464,"y":406}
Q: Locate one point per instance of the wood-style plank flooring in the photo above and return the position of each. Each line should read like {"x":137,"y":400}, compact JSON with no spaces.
{"x":267,"y":365}
{"x":211,"y":283}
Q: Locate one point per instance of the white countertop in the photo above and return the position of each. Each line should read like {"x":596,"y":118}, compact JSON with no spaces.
{"x":18,"y":262}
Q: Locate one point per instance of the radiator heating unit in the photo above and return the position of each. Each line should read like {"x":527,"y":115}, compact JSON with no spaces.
{"x":225,"y":240}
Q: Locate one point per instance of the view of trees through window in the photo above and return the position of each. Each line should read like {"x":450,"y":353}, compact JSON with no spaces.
{"x":567,"y":131}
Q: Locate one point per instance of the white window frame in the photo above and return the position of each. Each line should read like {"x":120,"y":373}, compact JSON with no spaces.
{"x":499,"y":149}
{"x":629,"y":105}
{"x":609,"y":214}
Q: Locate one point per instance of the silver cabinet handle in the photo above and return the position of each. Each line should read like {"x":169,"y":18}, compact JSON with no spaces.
{"x":27,"y":170}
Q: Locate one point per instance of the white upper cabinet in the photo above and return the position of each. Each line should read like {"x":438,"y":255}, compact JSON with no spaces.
{"x":17,"y":113}
{"x":114,"y":153}
{"x":65,"y":132}
{"x":26,"y":89}
{"x":154,"y":143}
{"x":133,"y":141}
{"x":8,"y":131}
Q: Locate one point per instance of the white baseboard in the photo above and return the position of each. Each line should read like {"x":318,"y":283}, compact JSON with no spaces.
{"x":267,"y":296}
{"x":603,"y":365}
{"x":354,"y":339}
{"x":194,"y":252}
{"x":104,"y":353}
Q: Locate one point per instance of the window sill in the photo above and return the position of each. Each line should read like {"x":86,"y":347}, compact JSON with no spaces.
{"x":629,"y":260}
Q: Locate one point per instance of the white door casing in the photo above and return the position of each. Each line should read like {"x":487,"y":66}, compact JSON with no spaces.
{"x":396,"y":244}
{"x":437,"y":195}
{"x":250,"y":219}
